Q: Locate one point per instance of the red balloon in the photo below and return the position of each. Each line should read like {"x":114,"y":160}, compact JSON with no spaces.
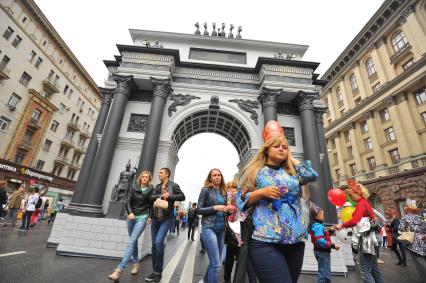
{"x":336,"y":196}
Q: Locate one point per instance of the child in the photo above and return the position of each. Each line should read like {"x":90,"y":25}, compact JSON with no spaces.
{"x":320,"y":237}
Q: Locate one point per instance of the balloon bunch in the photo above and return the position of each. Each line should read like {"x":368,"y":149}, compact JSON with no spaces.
{"x":339,"y":198}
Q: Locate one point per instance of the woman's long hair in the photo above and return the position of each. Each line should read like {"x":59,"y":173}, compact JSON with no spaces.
{"x":208,"y":183}
{"x":140,"y":178}
{"x":259,"y":160}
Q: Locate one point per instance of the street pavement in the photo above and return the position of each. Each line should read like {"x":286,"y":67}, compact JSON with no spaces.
{"x":24,"y":258}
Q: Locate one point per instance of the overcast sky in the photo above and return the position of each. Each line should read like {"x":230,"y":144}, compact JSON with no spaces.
{"x":92,"y":29}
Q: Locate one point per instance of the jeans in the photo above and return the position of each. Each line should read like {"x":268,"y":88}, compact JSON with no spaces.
{"x":420,"y":264}
{"x":191,"y":229}
{"x":395,"y":245}
{"x":368,"y":268}
{"x":231,"y":256}
{"x":159,"y":230}
{"x":26,"y":218}
{"x":324,"y":266}
{"x":213,"y":242}
{"x":385,"y":240}
{"x":277,"y":263}
{"x":135,"y":229}
{"x":11,"y":215}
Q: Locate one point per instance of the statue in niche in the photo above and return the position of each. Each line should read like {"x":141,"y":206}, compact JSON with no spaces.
{"x":180,"y":100}
{"x":279,"y":55}
{"x":230,"y":34}
{"x":222,"y":33}
{"x":240,"y":29}
{"x":206,"y":32}
{"x":119,"y":191}
{"x":157,"y":44}
{"x":248,"y":106}
{"x":146,"y":43}
{"x":214,"y":32}
{"x":197,"y":25}
{"x":214,"y":102}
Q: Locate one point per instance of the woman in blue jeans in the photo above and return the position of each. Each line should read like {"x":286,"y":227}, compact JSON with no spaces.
{"x":212,"y":207}
{"x":270,"y":188}
{"x":139,"y":213}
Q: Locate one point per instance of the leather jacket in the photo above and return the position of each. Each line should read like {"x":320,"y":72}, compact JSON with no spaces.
{"x":138,"y":202}
{"x":206,"y":202}
{"x":175,"y":194}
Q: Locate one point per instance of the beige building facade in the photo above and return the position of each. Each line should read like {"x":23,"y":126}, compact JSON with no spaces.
{"x":376,"y":94}
{"x":48,"y":101}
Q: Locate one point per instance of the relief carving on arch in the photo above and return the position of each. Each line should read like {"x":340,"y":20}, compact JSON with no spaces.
{"x":180,"y":100}
{"x":248,"y":106}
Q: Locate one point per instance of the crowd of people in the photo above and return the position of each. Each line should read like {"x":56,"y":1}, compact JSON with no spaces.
{"x":261,"y":219}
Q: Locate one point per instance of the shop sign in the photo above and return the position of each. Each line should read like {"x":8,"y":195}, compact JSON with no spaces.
{"x":30,"y":173}
{"x":15,"y":181}
{"x":8,"y":167}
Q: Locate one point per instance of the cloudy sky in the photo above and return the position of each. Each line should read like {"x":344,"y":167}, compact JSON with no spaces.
{"x":92,"y":29}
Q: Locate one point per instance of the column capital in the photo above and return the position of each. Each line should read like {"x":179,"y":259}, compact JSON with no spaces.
{"x":367,"y":115}
{"x":161,"y":87}
{"x":389,"y":101}
{"x":124,"y":84}
{"x":319,"y":110}
{"x":106,"y":95}
{"x":349,"y":126}
{"x":306,"y":100}
{"x":268,"y":96}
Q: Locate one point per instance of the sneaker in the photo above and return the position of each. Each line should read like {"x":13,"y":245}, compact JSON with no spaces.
{"x":380,"y":261}
{"x":153,"y":277}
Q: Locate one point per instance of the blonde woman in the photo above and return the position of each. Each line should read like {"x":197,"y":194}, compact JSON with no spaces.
{"x":139,"y":213}
{"x":270,"y":187}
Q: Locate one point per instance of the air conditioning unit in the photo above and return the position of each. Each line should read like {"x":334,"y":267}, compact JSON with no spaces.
{"x":11,"y":107}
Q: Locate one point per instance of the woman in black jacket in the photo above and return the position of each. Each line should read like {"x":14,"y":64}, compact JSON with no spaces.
{"x":139,"y":213}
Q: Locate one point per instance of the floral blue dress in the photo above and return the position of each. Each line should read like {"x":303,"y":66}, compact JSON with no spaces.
{"x":279,"y":221}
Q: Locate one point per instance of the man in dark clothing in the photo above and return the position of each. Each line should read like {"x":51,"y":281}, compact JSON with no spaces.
{"x":3,"y":198}
{"x":393,"y":227}
{"x":192,"y":220}
{"x":161,"y":220}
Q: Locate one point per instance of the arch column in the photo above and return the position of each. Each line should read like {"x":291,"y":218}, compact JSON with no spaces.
{"x":161,"y":89}
{"x":325,"y":176}
{"x":92,"y":201}
{"x":268,"y":98}
{"x":310,"y":147}
{"x":92,"y":148}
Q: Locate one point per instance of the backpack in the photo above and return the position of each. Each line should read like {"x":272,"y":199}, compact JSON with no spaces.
{"x":39,"y":202}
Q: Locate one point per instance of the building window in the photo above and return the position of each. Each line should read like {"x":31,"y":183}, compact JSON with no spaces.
{"x":333,"y":143}
{"x":352,"y":167}
{"x":337,"y":174}
{"x":31,"y":56}
{"x":28,"y":136}
{"x":371,"y":163}
{"x":376,"y":87}
{"x":40,"y":164}
{"x":54,"y":126}
{"x":398,"y":41}
{"x":7,"y":33}
{"x":394,"y":154}
{"x":364,"y":127}
{"x":38,"y":62}
{"x":353,"y":82}
{"x":14,"y":100}
{"x":421,"y":96}
{"x":4,"y":123}
{"x":19,"y":157}
{"x":347,"y":137}
{"x":61,"y":108}
{"x":66,"y":89}
{"x":335,"y":158}
{"x":50,"y":75}
{"x":368,"y":143}
{"x":369,"y":65}
{"x":25,"y":79}
{"x":4,"y":61}
{"x":384,"y":115}
{"x":390,"y":134}
{"x":47,"y":144}
{"x":339,"y":97}
{"x":70,"y":93}
{"x":424,"y":117}
{"x":44,"y":43}
{"x":408,"y":64}
{"x":16,"y":41}
{"x":36,"y":115}
{"x":350,"y":152}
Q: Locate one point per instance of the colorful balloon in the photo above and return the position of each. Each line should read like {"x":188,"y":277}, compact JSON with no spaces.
{"x":347,"y":213}
{"x":336,"y":196}
{"x":348,"y":198}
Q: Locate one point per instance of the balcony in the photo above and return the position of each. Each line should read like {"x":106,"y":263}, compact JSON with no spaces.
{"x":73,"y":126}
{"x":400,"y":54}
{"x":75,"y":165}
{"x":419,"y":162}
{"x":80,"y":149}
{"x":61,"y":160}
{"x":85,"y":134}
{"x":67,"y":142}
{"x":4,"y":73}
{"x":51,"y":86}
{"x":34,"y":124}
{"x":25,"y":145}
{"x":393,"y":169}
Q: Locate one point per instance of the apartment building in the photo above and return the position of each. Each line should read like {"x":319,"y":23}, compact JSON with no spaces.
{"x":48,"y":101}
{"x":376,"y":94}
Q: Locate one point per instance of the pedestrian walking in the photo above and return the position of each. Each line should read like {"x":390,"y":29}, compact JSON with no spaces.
{"x":270,"y":187}
{"x":192,"y":220}
{"x":29,"y":208}
{"x":166,"y":192}
{"x":138,"y":209}
{"x":15,"y":202}
{"x":397,"y":247}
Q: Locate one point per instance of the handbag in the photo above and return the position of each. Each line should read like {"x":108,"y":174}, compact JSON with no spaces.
{"x":160,"y":203}
{"x":407,"y":237}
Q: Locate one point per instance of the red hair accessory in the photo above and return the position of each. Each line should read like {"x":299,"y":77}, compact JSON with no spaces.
{"x":354,"y":186}
{"x":272,"y":129}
